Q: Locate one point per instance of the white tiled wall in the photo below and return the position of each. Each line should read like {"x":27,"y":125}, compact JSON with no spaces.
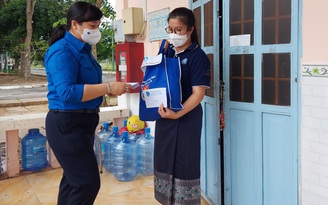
{"x":314,"y":141}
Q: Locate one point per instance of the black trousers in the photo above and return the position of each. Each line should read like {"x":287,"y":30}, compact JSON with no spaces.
{"x":71,"y":137}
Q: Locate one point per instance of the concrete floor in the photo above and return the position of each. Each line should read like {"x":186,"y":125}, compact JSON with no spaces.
{"x":41,"y":188}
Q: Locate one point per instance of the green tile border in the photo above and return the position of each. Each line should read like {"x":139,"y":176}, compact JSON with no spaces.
{"x":315,"y":70}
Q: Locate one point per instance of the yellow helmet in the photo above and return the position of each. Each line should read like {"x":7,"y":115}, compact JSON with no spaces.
{"x":134,"y":124}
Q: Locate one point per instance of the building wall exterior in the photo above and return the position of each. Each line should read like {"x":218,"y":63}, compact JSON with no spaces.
{"x":150,"y":48}
{"x":314,"y":106}
{"x":313,"y":96}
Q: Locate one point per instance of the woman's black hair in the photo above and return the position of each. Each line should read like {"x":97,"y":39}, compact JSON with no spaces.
{"x":187,"y":17}
{"x":80,"y":12}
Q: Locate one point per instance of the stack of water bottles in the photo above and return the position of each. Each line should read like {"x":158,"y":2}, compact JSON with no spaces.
{"x":100,"y":140}
{"x":128,"y":150}
{"x":34,"y":151}
{"x":133,"y":158}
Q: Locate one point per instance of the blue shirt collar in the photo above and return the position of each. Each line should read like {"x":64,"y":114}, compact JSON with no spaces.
{"x":192,"y":47}
{"x":76,"y":42}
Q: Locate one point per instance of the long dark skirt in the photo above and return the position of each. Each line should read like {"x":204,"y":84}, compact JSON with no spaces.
{"x":177,"y":159}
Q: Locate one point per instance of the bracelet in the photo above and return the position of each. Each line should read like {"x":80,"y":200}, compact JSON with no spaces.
{"x":108,"y":88}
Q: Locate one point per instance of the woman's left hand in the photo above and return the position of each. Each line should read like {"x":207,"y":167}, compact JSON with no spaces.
{"x":165,"y":112}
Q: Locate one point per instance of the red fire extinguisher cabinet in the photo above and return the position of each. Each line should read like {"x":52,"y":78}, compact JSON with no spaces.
{"x":129,"y":57}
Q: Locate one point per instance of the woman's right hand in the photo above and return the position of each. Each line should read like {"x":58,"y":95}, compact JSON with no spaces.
{"x":166,"y":45}
{"x":119,"y":88}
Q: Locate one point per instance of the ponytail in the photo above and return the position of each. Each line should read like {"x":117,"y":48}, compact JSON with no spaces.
{"x":57,"y":33}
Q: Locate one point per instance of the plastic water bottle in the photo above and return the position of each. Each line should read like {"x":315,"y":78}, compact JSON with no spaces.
{"x":140,"y":134}
{"x":145,"y":154}
{"x":34,"y":151}
{"x":133,"y":137}
{"x":125,"y":159}
{"x":111,"y":141}
{"x":124,"y":128}
{"x":102,"y":136}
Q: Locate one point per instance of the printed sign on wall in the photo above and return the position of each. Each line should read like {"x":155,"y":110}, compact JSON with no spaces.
{"x":157,"y":22}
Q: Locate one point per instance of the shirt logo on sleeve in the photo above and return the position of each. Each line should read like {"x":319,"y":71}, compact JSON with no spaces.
{"x":207,"y":72}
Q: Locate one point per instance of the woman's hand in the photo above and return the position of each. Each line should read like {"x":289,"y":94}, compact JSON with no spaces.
{"x":166,"y":45}
{"x":119,"y":88}
{"x":92,"y":91}
{"x":165,"y":112}
{"x":198,"y":93}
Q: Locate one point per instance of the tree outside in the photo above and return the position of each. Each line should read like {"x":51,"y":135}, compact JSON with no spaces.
{"x":27,"y":24}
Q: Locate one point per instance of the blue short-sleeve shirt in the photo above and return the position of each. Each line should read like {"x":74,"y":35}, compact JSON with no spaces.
{"x":69,"y":65}
{"x":195,"y":68}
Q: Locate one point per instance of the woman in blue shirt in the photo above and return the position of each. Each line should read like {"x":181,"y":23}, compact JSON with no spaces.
{"x":177,"y":134}
{"x":75,"y":94}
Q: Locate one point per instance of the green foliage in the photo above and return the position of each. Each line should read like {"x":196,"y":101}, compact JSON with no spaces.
{"x":61,"y":21}
{"x":46,"y":12}
{"x":47,"y":15}
{"x":12,"y":23}
{"x":108,"y":10}
{"x":38,"y":50}
{"x":13,"y":29}
{"x":106,"y":46}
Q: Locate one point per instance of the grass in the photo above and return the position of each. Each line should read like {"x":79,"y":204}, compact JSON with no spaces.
{"x":38,"y":66}
{"x":105,"y":66}
{"x":7,"y":71}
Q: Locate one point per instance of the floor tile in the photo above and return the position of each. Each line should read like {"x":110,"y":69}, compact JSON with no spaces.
{"x":46,"y":185}
{"x":48,"y":196}
{"x":45,"y":180}
{"x":110,"y":185}
{"x":41,"y":188}
{"x":138,"y":196}
{"x":17,"y":191}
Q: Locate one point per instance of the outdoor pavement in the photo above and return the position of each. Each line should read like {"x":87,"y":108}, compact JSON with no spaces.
{"x":35,"y":105}
{"x":22,"y":106}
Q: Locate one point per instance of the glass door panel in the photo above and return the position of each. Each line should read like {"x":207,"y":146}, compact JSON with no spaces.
{"x":208,"y":24}
{"x":242,"y":78}
{"x":242,"y":18}
{"x":198,"y":16}
{"x":276,"y":79}
{"x":276,"y":23}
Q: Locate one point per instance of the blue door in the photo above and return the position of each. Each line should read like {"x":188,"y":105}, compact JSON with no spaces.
{"x":260,"y":71}
{"x":207,"y":26}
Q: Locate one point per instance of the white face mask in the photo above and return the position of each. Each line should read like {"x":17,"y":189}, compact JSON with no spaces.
{"x":91,"y":36}
{"x":178,"y":40}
